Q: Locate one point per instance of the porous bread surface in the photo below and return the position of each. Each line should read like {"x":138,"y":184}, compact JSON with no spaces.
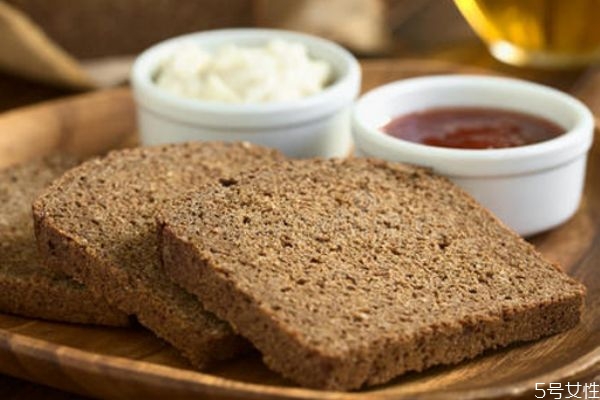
{"x":97,"y":224}
{"x":26,"y":287}
{"x":349,"y":273}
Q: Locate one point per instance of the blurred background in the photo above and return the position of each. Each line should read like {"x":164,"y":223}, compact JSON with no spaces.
{"x":50,"y":48}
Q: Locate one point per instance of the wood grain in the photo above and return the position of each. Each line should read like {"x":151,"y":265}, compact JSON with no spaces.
{"x":132,"y":363}
{"x":86,"y":125}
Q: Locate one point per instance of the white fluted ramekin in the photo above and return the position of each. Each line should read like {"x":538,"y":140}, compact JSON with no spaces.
{"x":318,"y":125}
{"x":531,"y":188}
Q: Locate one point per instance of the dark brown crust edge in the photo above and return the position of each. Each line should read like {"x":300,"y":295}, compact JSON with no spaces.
{"x":61,"y":253}
{"x":375,"y":362}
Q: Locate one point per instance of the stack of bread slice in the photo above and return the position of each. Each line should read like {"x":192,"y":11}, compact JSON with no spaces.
{"x":342,"y":273}
{"x":26,"y":286}
{"x":97,"y":224}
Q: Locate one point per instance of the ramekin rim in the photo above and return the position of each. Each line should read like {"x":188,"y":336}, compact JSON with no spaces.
{"x":574,"y":137}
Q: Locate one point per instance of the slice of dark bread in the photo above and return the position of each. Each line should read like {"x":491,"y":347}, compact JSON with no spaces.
{"x":97,"y":224}
{"x":26,"y":287}
{"x":349,"y":273}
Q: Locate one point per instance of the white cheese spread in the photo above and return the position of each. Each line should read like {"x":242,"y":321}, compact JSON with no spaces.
{"x":277,"y":71}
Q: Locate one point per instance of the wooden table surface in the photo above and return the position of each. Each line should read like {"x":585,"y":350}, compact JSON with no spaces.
{"x":422,"y":36}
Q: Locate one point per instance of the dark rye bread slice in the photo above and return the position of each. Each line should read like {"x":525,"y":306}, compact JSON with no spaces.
{"x":97,"y":224}
{"x":26,"y":287}
{"x":349,"y":273}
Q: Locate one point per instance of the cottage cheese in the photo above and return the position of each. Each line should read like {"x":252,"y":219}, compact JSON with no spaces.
{"x":277,"y":71}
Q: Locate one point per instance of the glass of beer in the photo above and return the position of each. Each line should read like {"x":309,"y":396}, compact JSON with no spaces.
{"x":537,"y":33}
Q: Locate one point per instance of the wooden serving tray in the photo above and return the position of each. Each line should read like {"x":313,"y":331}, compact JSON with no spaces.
{"x":132,"y":363}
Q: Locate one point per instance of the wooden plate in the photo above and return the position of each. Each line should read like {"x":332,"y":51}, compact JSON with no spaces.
{"x":132,"y":363}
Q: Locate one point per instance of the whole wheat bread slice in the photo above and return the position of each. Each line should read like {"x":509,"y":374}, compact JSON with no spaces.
{"x":26,"y":287}
{"x":349,"y":273}
{"x":97,"y":224}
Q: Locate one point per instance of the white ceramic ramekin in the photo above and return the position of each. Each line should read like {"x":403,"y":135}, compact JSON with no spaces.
{"x":531,"y":188}
{"x":317,"y":125}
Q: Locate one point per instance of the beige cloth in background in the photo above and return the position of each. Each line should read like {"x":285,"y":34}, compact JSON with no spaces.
{"x":27,"y":51}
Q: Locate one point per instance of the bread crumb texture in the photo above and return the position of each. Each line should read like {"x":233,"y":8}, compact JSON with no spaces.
{"x":345,"y":274}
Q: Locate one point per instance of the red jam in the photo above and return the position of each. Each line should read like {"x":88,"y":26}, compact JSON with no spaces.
{"x":472,"y":128}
